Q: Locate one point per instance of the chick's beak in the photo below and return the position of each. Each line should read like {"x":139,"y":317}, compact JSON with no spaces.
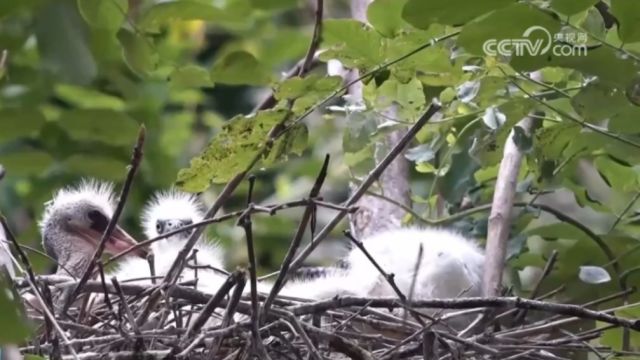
{"x":120,"y":241}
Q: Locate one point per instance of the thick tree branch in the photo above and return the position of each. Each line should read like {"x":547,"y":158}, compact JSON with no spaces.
{"x":374,"y":214}
{"x":501,"y":211}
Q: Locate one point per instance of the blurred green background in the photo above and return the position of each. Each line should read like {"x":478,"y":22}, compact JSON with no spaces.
{"x":81,"y":76}
{"x":80,"y":79}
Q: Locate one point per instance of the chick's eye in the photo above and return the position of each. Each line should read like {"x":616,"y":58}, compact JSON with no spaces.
{"x":158,"y":227}
{"x":98,"y":220}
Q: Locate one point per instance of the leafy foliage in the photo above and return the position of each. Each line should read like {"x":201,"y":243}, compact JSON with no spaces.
{"x":83,"y":75}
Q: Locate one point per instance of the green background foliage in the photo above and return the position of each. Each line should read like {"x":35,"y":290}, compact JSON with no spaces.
{"x":82,"y":76}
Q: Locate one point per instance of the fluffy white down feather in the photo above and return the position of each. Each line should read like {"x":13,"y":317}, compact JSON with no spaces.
{"x":5,"y":254}
{"x":167,"y":206}
{"x":100,"y":193}
{"x":451,"y":266}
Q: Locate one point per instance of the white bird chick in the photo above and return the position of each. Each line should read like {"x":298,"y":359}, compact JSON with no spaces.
{"x":451,"y":266}
{"x":5,"y":254}
{"x":73,"y":224}
{"x":169,"y":211}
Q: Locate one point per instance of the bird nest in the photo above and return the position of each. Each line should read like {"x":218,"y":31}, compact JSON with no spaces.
{"x":99,"y":318}
{"x":159,"y":321}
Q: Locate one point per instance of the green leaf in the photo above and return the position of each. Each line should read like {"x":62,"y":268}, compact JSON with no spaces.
{"x":231,"y":151}
{"x":177,"y":130}
{"x":10,"y":7}
{"x":422,"y":14}
{"x":626,"y":121}
{"x":103,"y":14}
{"x":570,"y":7}
{"x":34,"y":357}
{"x":62,"y":43}
{"x":433,"y":64}
{"x":13,"y":323}
{"x":552,"y":140}
{"x":240,"y":68}
{"x":15,"y":123}
{"x":273,"y":4}
{"x":307,"y":91}
{"x":408,"y":97}
{"x":596,"y":102}
{"x":619,"y":70}
{"x":297,"y":87}
{"x":97,"y":166}
{"x":619,"y":177}
{"x":511,"y":23}
{"x":180,"y":10}
{"x":84,"y":97}
{"x":628,"y":14}
{"x":633,"y":91}
{"x":352,"y":42}
{"x":107,"y":126}
{"x":138,"y":51}
{"x":357,"y":141}
{"x":190,"y":76}
{"x":425,"y":168}
{"x":295,"y":141}
{"x":284,"y":45}
{"x":26,"y":163}
{"x":312,"y":91}
{"x":386,"y":16}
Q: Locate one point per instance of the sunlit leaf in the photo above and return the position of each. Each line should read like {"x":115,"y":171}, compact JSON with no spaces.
{"x":307,"y":91}
{"x":138,"y":51}
{"x":180,"y":10}
{"x":386,"y":16}
{"x":230,"y":151}
{"x":293,"y":142}
{"x":103,"y":14}
{"x":190,"y":76}
{"x":352,"y":42}
{"x":88,"y":98}
{"x":408,"y":98}
{"x":594,"y":275}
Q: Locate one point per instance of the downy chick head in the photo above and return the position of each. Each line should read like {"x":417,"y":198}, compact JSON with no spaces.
{"x":169,"y":211}
{"x":74,"y":222}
